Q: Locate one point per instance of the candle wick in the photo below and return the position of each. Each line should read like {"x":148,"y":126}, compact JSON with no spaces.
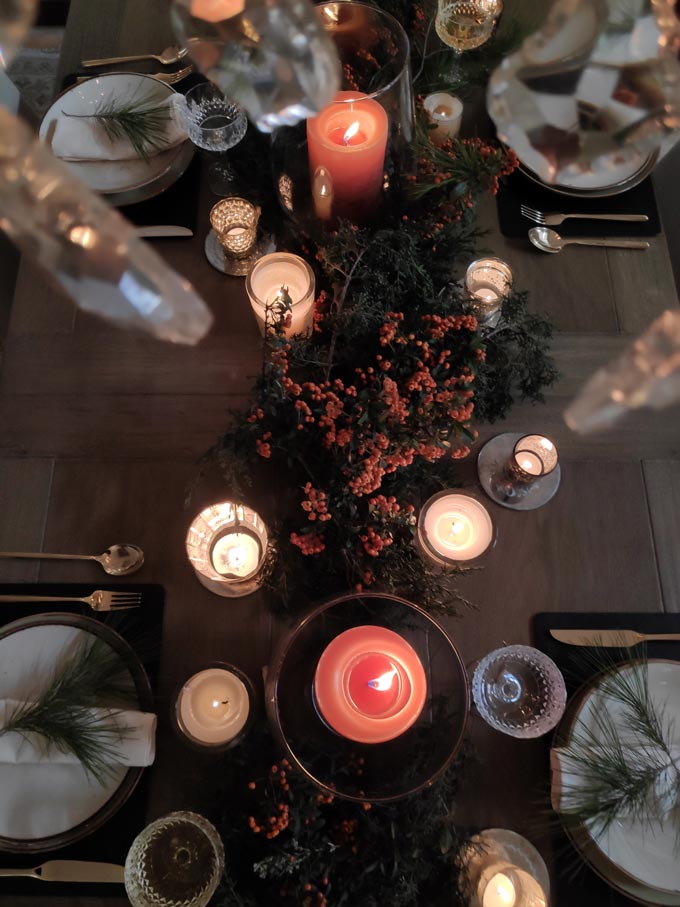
{"x":225,"y":702}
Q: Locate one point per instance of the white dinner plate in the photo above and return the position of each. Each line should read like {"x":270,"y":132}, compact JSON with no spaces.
{"x":45,"y":806}
{"x":126,"y":181}
{"x":644,"y":851}
{"x":591,"y":185}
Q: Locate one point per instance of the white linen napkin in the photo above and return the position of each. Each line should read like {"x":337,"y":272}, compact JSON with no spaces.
{"x":568,"y":775}
{"x":137,"y":747}
{"x":84,"y":139}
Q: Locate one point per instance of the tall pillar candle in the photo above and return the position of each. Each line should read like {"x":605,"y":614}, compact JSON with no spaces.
{"x":348,"y":140}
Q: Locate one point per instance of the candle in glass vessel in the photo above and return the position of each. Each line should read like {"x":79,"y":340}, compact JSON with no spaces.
{"x":279,"y":272}
{"x":369,"y":684}
{"x":533,"y":456}
{"x":212,"y":707}
{"x":446,"y":111}
{"x":454,"y":527}
{"x":499,"y":892}
{"x":348,"y":140}
{"x":488,"y":281}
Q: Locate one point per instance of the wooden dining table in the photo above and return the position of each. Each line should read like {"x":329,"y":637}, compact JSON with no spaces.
{"x":101,"y":430}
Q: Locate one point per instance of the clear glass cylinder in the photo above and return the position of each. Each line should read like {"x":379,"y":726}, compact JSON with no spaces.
{"x":345,"y":161}
{"x":279,"y":275}
{"x":227,"y":546}
{"x":487,"y":282}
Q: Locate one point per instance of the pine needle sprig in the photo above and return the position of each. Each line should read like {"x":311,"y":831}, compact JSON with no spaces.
{"x":62,"y":714}
{"x":632,"y":774}
{"x":143,"y":122}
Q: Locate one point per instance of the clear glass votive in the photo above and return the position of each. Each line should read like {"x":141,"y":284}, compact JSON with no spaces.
{"x":532,"y":458}
{"x":214,"y":708}
{"x":454,"y":527}
{"x":467,"y":24}
{"x":487,"y":282}
{"x":227,"y":547}
{"x":235,"y":220}
{"x":215,"y":124}
{"x":273,"y":278}
{"x":520,"y":691}
{"x":177,"y":860}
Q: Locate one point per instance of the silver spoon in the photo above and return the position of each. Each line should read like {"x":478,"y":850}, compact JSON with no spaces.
{"x":116,"y":560}
{"x":549,"y":241}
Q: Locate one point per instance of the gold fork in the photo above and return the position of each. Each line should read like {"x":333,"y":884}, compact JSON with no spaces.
{"x":170,"y":78}
{"x":100,"y":600}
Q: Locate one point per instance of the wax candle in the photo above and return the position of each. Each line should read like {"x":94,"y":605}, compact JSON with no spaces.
{"x":348,"y":139}
{"x":446,"y":112}
{"x":322,"y":193}
{"x":369,"y":684}
{"x":227,"y":545}
{"x":216,"y":10}
{"x":499,"y":892}
{"x":265,"y":282}
{"x":454,"y":527}
{"x":212,"y":707}
{"x":487,"y":282}
{"x":534,"y":456}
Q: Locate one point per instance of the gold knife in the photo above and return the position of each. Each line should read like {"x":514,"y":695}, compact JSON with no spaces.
{"x":71,"y":871}
{"x":606,"y":638}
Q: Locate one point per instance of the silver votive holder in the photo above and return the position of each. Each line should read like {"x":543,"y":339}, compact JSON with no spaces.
{"x":521,"y":472}
{"x":487,"y":282}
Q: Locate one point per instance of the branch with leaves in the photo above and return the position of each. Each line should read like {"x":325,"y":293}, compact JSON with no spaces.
{"x":144,"y":123}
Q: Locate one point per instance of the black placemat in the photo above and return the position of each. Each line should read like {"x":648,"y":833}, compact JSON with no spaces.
{"x":142,"y":629}
{"x":178,"y":204}
{"x":584,"y":886}
{"x":518,"y":190}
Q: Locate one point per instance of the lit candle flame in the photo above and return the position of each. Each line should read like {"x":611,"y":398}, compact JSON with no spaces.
{"x":457,"y":527}
{"x":384,"y":682}
{"x":526,"y":464}
{"x":350,"y":132}
{"x":236,"y":557}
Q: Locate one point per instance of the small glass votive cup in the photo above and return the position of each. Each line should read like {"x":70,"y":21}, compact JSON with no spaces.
{"x":214,"y":123}
{"x":214,"y":708}
{"x":235,"y":220}
{"x":446,"y":112}
{"x":487,"y":282}
{"x":533,"y":457}
{"x":227,"y":545}
{"x":274,"y":277}
{"x":454,"y":528}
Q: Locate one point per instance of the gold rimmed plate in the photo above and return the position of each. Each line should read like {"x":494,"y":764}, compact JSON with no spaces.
{"x":47,"y":806}
{"x":122,"y":182}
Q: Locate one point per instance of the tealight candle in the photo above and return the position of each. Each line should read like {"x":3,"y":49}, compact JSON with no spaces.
{"x":454,"y":527}
{"x":348,"y":140}
{"x":506,"y":885}
{"x":227,"y":545}
{"x":446,"y":111}
{"x":264,"y":285}
{"x":369,"y":684}
{"x":213,"y":707}
{"x":487,"y":282}
{"x":499,"y":892}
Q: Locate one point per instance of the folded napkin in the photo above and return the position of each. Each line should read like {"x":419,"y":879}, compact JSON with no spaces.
{"x":137,"y":747}
{"x":568,"y":776}
{"x":84,"y":139}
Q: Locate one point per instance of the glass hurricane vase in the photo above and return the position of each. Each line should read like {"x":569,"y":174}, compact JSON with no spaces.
{"x":346,"y":161}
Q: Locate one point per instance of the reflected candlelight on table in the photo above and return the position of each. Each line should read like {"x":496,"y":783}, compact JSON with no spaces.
{"x":369,"y":684}
{"x":454,"y":527}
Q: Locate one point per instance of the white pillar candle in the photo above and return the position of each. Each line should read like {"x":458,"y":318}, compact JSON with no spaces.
{"x":213,"y":707}
{"x":454,"y":527}
{"x":269,"y":275}
{"x":446,"y":111}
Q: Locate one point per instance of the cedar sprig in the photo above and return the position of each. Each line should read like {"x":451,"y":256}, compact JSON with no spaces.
{"x":143,"y":122}
{"x":62,"y":715}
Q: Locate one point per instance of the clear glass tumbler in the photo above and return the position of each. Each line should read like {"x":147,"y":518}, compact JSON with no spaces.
{"x":177,"y":861}
{"x":215,"y":124}
{"x":520,"y":691}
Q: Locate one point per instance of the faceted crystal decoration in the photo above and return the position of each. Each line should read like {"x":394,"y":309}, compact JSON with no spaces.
{"x":274,"y":58}
{"x":593,"y":92}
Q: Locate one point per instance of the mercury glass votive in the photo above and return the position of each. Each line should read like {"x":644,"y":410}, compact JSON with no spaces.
{"x":533,"y":456}
{"x":235,"y":222}
{"x":521,"y":472}
{"x":227,"y":547}
{"x":446,"y":112}
{"x":487,"y":282}
{"x":274,"y":278}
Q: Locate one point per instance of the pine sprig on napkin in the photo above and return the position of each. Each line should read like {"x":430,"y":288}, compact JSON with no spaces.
{"x":62,"y":714}
{"x":143,"y":123}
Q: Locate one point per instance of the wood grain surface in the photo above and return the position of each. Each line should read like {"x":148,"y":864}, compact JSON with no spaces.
{"x":101,"y":428}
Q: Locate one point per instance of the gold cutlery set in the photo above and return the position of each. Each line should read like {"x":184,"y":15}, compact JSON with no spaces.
{"x":548,"y":240}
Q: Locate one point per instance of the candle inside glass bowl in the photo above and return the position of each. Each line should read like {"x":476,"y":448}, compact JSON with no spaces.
{"x":369,"y":684}
{"x":348,"y":139}
{"x":282,"y":271}
{"x":213,"y":706}
{"x":227,"y":545}
{"x":446,"y":112}
{"x":454,"y":527}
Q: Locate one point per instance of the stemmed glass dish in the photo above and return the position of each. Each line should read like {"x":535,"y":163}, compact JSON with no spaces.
{"x":215,"y":124}
{"x":520,"y":691}
{"x":176,"y":861}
